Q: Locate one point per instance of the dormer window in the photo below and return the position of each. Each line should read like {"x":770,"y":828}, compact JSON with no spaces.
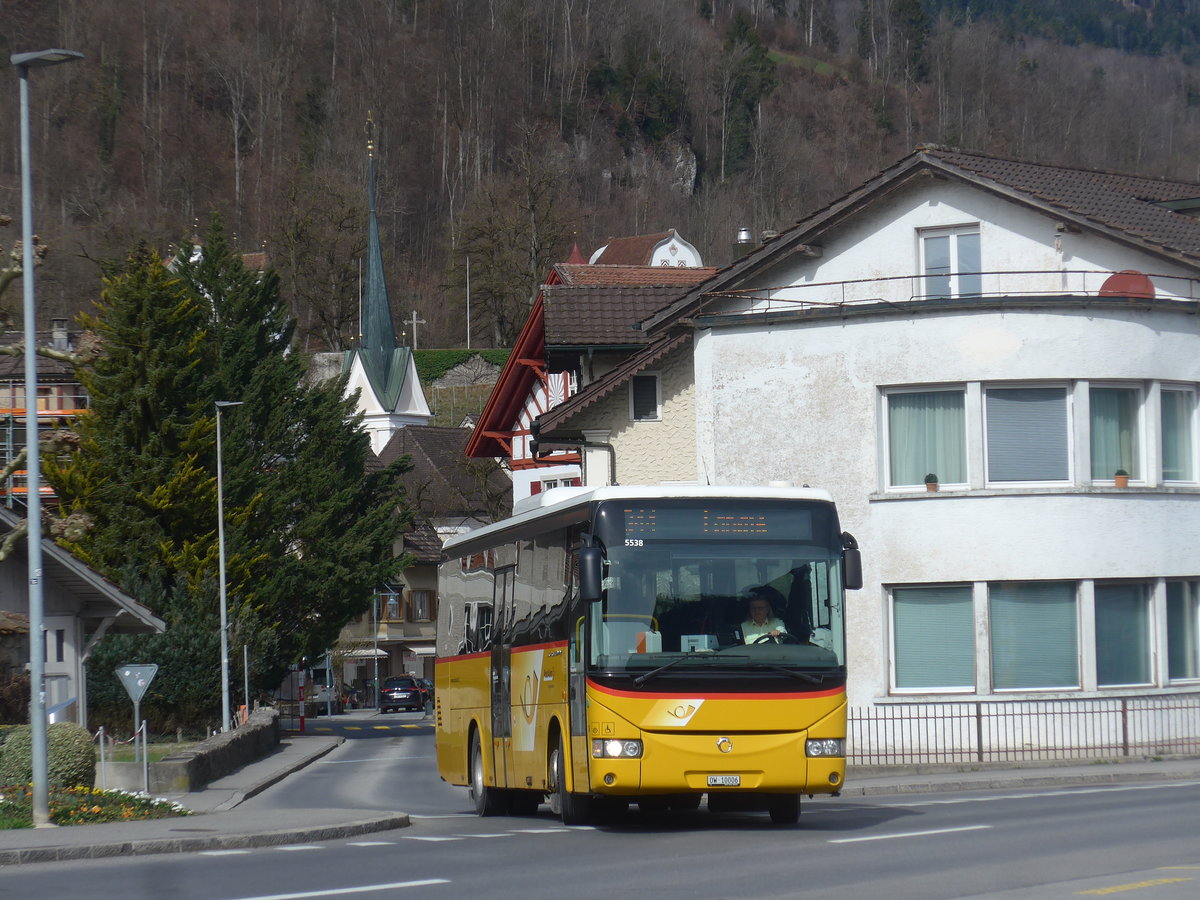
{"x":950,"y":261}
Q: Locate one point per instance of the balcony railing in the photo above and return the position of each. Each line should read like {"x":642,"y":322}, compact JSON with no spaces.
{"x":1024,"y":730}
{"x":911,"y":290}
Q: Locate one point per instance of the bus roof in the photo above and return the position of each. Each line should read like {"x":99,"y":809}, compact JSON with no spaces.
{"x":562,"y":501}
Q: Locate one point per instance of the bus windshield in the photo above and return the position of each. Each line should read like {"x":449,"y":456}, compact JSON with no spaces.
{"x":733,"y":584}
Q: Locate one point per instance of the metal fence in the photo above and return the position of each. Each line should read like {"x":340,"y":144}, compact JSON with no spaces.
{"x":1025,"y":730}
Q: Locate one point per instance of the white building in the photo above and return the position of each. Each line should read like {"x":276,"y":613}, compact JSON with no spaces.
{"x":1023,"y":333}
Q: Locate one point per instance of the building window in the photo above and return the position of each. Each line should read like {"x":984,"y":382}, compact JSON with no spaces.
{"x":645,"y":404}
{"x":1116,"y":431}
{"x":420,"y":606}
{"x":1183,"y":630}
{"x":1027,"y":434}
{"x":1122,"y":635}
{"x":1178,"y":429}
{"x":951,"y":262}
{"x":933,"y":631}
{"x":1035,"y":636}
{"x":926,"y":435}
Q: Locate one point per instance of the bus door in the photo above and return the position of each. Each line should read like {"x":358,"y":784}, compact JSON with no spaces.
{"x":501,"y":669}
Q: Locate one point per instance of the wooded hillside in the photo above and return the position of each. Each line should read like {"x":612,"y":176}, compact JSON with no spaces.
{"x":507,"y":129}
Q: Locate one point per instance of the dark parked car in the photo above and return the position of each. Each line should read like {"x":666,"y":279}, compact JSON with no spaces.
{"x":401,"y":692}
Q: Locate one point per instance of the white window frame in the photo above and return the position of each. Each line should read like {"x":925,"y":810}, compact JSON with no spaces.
{"x":889,"y":481}
{"x":986,"y":387}
{"x":953,"y":232}
{"x":1143,"y":464}
{"x":1194,"y":417}
{"x":657,"y":417}
{"x":1191,"y":598}
{"x":893,"y":649}
{"x":1145,"y":590}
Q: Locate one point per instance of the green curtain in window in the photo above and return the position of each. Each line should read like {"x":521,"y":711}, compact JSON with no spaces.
{"x":934,"y":637}
{"x":1114,"y":431}
{"x":1035,"y":635}
{"x":1183,"y":629}
{"x":927,"y":434}
{"x":1177,"y":454}
{"x":1122,"y":635}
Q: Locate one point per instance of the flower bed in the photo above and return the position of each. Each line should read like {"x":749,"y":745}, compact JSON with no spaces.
{"x":83,"y":806}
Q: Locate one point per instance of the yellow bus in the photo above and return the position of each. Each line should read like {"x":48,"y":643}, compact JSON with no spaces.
{"x":599,"y":649}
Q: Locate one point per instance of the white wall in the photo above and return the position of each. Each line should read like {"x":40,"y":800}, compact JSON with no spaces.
{"x":801,"y":402}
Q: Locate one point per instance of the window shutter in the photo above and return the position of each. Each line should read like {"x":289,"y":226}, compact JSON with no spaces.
{"x":1035,"y":636}
{"x":645,"y":397}
{"x":934,"y":637}
{"x":1027,"y":434}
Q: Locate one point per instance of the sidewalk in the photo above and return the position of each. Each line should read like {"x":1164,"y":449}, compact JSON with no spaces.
{"x":220,"y":824}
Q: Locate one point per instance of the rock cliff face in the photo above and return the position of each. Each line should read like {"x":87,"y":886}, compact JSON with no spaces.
{"x":476,"y":370}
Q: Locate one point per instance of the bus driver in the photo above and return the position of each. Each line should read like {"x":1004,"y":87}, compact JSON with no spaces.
{"x":761,"y":621}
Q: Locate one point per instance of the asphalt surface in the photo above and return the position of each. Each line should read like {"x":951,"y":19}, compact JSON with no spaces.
{"x":220,"y":823}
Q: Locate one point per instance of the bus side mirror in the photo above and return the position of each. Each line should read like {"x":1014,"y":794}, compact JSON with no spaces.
{"x":591,"y":567}
{"x":852,"y":577}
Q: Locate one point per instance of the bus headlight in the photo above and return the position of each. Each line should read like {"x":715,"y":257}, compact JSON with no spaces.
{"x":825,"y":747}
{"x":613,"y":749}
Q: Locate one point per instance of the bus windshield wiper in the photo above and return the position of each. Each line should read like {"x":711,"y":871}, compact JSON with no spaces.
{"x":803,"y":676}
{"x":642,"y":679}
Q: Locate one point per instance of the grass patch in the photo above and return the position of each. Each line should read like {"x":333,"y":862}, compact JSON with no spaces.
{"x":157,"y":752}
{"x":83,"y":806}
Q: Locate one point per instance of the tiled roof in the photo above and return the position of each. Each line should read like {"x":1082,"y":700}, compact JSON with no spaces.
{"x":601,"y":316}
{"x":423,"y":542}
{"x":443,"y":482}
{"x":1123,"y":208}
{"x":1125,"y":203}
{"x":583,"y":275}
{"x":631,"y":251}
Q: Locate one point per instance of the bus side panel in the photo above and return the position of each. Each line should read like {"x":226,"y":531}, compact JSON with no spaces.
{"x":539,"y":695}
{"x":461,"y":692}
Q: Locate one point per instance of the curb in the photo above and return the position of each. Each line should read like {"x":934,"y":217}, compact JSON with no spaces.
{"x":148,"y":846}
{"x":274,"y":778}
{"x":993,"y":784}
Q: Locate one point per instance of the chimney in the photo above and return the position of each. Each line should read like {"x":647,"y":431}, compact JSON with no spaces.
{"x":58,"y":334}
{"x":744,"y":243}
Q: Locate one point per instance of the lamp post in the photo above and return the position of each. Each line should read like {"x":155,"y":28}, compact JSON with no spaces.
{"x":37,"y":647}
{"x":223,"y":404}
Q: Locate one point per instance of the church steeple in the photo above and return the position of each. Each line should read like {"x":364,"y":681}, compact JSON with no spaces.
{"x":378,"y":329}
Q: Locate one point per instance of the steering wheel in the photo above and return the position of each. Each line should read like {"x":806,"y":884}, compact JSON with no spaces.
{"x":781,"y":638}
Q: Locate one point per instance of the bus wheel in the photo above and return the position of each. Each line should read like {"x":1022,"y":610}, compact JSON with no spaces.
{"x":784,"y":809}
{"x":488,"y":801}
{"x":573,"y":809}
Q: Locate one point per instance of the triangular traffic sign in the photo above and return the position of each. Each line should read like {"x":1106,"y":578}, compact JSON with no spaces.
{"x":136,"y":679}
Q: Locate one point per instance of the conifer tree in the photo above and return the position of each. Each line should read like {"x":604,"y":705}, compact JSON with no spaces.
{"x":310,"y":528}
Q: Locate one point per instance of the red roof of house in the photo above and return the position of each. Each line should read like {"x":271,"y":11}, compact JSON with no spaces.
{"x":631,"y":251}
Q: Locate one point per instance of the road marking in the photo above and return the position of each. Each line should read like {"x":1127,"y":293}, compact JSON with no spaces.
{"x":1136,"y":886}
{"x":354,"y":728}
{"x":447,"y":816}
{"x":371,"y":843}
{"x":430,"y":838}
{"x":363,"y":759}
{"x":323,"y":728}
{"x":342,"y":892}
{"x":381,"y":727}
{"x":907,"y":834}
{"x":541,"y":830}
{"x":414,"y":726}
{"x":223,"y":852}
{"x":506,"y":834}
{"x":290,"y":847}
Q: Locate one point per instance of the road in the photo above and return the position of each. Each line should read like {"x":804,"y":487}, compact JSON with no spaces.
{"x":1136,"y":841}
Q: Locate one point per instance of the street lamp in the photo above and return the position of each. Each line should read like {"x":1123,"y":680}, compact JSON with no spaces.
{"x":223,"y":404}
{"x":37,"y":647}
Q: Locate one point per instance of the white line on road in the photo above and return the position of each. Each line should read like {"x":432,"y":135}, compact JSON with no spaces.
{"x":1060,"y":792}
{"x":291,"y":847}
{"x":431,"y":839}
{"x":541,"y":830}
{"x":224,"y":852}
{"x":342,"y":892}
{"x":371,"y":843}
{"x":505,"y":834}
{"x":907,"y":834}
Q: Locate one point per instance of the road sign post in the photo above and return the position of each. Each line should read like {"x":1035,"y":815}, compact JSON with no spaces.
{"x":136,"y":678}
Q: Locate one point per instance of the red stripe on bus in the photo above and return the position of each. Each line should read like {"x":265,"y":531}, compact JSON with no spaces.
{"x":744,"y":695}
